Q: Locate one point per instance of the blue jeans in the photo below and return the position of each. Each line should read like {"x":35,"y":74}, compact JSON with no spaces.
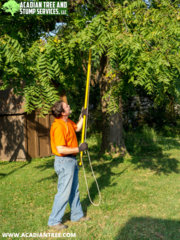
{"x":68,"y":190}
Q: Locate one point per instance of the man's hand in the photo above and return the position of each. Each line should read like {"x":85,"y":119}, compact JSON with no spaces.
{"x":80,"y":123}
{"x":83,"y":146}
{"x":84,"y":112}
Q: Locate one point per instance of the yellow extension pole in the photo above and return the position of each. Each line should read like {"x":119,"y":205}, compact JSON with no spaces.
{"x":85,"y":104}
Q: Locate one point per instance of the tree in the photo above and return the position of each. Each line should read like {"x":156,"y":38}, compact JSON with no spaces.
{"x":11,"y":6}
{"x":136,"y":46}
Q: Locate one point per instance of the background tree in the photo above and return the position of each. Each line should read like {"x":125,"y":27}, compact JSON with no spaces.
{"x":140,"y":46}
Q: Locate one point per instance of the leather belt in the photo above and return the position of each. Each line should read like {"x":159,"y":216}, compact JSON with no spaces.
{"x":70,"y":155}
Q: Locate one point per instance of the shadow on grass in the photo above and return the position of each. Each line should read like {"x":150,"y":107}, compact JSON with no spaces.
{"x":46,"y":165}
{"x":145,"y":153}
{"x":149,"y":153}
{"x":104,"y":181}
{"x":147,"y":228}
{"x":3,"y":175}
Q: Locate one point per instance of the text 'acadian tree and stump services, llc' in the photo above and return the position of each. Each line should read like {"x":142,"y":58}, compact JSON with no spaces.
{"x":44,"y":8}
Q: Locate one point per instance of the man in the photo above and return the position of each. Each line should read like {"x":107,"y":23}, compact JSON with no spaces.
{"x":65,"y":147}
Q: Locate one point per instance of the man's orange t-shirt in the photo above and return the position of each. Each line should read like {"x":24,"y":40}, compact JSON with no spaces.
{"x":63,"y":134}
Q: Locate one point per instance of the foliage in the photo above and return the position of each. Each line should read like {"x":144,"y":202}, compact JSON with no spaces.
{"x":32,"y":68}
{"x":142,"y":44}
{"x":38,"y":67}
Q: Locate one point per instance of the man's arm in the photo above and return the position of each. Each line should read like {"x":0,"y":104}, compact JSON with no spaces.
{"x":67,"y":150}
{"x":79,"y":125}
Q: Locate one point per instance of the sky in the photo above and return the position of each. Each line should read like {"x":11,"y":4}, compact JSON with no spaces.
{"x":53,"y":33}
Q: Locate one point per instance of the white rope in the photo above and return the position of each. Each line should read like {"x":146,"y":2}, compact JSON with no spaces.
{"x":95,"y":181}
{"x":90,"y":163}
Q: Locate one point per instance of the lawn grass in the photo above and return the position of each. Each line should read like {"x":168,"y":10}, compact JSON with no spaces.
{"x":140,"y":192}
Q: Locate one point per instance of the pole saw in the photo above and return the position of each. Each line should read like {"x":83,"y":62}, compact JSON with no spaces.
{"x":86,"y":103}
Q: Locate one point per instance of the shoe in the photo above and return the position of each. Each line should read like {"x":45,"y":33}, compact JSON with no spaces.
{"x":83,"y":219}
{"x":59,"y":226}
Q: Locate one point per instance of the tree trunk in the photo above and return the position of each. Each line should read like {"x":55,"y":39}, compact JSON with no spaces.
{"x":112,"y":125}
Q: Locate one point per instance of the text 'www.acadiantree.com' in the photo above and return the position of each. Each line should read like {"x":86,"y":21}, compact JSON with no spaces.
{"x":19,"y":235}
